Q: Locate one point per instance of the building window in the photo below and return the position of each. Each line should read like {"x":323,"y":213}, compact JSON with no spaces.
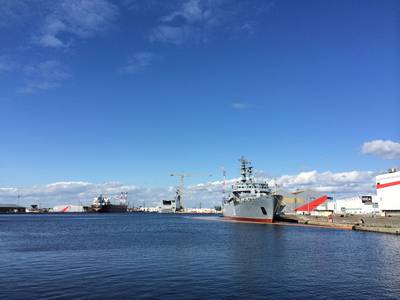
{"x":263,"y":211}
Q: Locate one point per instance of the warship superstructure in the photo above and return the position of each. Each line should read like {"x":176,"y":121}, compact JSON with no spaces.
{"x":173,"y":205}
{"x":250,"y":200}
{"x":103,"y":204}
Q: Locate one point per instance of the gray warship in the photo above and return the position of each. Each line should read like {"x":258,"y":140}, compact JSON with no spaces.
{"x":250,"y":200}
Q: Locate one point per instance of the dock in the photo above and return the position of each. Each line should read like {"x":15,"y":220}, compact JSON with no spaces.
{"x":368,"y":223}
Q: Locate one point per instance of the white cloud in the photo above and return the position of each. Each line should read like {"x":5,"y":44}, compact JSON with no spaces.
{"x":208,"y":193}
{"x":52,"y":24}
{"x":57,"y":23}
{"x":189,"y":22}
{"x":138,"y":62}
{"x":75,"y":18}
{"x":48,"y":40}
{"x":341,"y":182}
{"x":385,"y":149}
{"x":247,"y":27}
{"x":75,"y":192}
{"x":192,"y":11}
{"x":337,"y":184}
{"x":198,"y":20}
{"x":43,"y":76}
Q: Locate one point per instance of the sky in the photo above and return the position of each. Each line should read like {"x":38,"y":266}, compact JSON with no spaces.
{"x":102,"y":96}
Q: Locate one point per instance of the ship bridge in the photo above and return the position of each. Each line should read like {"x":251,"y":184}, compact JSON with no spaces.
{"x":253,"y":186}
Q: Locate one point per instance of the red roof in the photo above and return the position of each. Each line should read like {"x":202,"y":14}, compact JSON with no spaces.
{"x":313,"y":204}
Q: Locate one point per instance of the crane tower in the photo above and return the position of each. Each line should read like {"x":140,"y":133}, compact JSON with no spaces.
{"x":180,"y":189}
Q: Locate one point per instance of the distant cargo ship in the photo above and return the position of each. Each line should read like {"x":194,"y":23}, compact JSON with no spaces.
{"x":251,"y":201}
{"x":103,"y":204}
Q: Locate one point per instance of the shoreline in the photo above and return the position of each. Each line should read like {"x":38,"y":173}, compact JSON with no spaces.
{"x":365,"y":223}
{"x":371,"y":223}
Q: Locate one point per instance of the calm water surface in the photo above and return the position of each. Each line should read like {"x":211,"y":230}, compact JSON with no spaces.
{"x":102,"y":256}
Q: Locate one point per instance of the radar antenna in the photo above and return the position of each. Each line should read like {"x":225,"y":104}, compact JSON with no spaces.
{"x":243,"y":168}
{"x":250,"y":171}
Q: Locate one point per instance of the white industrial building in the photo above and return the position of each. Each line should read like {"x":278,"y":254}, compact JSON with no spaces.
{"x":366,"y":204}
{"x":386,"y":201}
{"x":68,"y":208}
{"x":388,"y":192}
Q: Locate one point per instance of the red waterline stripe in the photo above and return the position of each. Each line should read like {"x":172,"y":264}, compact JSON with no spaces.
{"x":380,"y":186}
{"x":250,"y":219}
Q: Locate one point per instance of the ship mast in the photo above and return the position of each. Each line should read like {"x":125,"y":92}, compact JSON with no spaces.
{"x":250,"y":171}
{"x":243,"y":169}
{"x":223,"y":184}
{"x":180,"y":189}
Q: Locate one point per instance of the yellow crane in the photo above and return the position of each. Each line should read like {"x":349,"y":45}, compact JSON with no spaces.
{"x":179,"y":191}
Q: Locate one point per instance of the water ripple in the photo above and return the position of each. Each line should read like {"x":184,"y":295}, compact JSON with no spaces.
{"x":170,"y":256}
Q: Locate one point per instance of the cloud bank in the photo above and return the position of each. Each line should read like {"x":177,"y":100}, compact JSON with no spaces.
{"x":198,"y":20}
{"x":208,"y":194}
{"x":383,"y":148}
{"x":54,"y":27}
{"x":78,"y":192}
{"x":75,"y":19}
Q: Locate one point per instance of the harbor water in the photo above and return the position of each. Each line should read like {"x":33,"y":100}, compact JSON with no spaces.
{"x":104,"y":256}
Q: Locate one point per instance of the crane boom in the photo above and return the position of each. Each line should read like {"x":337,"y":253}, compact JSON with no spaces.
{"x":179,"y":191}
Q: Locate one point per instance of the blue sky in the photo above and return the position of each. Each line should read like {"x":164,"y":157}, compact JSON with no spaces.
{"x":129,"y":91}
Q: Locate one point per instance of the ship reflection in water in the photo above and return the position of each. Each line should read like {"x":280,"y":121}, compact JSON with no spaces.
{"x":174,"y":256}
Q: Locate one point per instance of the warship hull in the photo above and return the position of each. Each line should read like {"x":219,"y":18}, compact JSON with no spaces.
{"x":110,"y":208}
{"x":261,"y":209}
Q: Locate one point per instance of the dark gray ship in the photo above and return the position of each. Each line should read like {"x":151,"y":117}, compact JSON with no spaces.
{"x":250,"y":200}
{"x":103,"y":204}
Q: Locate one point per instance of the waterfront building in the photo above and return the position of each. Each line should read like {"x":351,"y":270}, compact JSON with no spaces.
{"x":316,"y":207}
{"x":68,"y":208}
{"x":168,"y":206}
{"x":366,"y":204}
{"x":304,"y":202}
{"x":11,"y":208}
{"x":388,"y":192}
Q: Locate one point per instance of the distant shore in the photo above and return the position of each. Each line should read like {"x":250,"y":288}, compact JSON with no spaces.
{"x":367,"y":223}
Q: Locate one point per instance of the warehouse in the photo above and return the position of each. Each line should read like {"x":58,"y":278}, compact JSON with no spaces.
{"x":304,"y":201}
{"x":11,"y":208}
{"x":68,"y":208}
{"x":366,"y":204}
{"x":388,"y":192}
